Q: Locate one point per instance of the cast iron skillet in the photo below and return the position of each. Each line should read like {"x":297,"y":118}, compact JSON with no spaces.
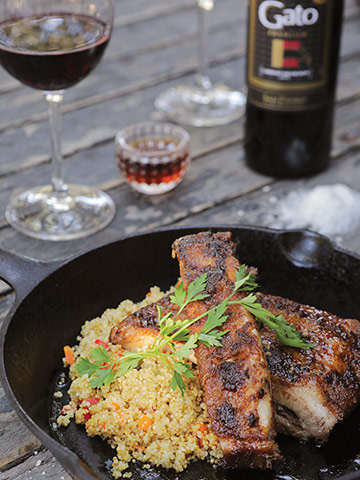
{"x":54,"y":300}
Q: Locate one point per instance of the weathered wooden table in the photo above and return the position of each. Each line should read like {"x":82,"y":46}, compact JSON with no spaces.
{"x":153,"y":47}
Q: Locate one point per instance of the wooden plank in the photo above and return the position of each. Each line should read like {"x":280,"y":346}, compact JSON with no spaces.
{"x":351,"y":9}
{"x":41,"y":465}
{"x":6,"y":302}
{"x":16,"y":441}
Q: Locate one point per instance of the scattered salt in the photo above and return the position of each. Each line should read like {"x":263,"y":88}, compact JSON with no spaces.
{"x":326,"y":209}
{"x":38,"y":463}
{"x":272,"y":199}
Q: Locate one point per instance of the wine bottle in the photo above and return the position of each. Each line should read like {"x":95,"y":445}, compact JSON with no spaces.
{"x":292,"y":60}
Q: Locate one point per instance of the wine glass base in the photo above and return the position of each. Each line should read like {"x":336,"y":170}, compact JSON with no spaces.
{"x":48,"y":215}
{"x":199,"y":107}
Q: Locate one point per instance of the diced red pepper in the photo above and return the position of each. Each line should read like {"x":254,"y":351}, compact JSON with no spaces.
{"x":92,"y":401}
{"x":101,"y":342}
{"x":87,"y":416}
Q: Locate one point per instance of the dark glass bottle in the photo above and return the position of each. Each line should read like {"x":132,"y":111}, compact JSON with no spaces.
{"x":293,"y":50}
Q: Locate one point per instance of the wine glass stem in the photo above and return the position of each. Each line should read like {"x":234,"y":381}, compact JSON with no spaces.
{"x":54,"y":100}
{"x":204,"y":8}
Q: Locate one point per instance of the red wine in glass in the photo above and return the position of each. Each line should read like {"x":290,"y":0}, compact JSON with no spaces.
{"x":51,"y":49}
{"x":52,"y":52}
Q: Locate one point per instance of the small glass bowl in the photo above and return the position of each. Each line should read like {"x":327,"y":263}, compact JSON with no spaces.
{"x":153,"y":157}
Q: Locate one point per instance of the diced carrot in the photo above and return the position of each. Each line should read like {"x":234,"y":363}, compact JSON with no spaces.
{"x":203,"y":428}
{"x":101,"y":342}
{"x":116,"y":406}
{"x":137,"y":447}
{"x":69,"y":355}
{"x":201,"y":443}
{"x":145,"y":422}
{"x":148,"y":294}
{"x":103,"y":425}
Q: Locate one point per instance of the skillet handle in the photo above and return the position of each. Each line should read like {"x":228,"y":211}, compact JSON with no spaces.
{"x":23,"y":273}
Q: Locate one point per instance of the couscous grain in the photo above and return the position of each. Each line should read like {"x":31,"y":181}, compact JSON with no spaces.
{"x":138,"y":414}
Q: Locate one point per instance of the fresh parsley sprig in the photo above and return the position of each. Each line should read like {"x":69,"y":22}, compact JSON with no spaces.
{"x":286,"y":332}
{"x":103,"y":369}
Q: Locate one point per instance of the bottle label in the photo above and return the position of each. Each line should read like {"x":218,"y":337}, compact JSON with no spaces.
{"x":288,"y":53}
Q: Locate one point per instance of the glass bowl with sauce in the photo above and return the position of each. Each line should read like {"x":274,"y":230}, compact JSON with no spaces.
{"x":153,"y":156}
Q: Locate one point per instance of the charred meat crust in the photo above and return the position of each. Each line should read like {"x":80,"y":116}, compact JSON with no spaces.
{"x":333,"y":364}
{"x":146,"y":317}
{"x":234,"y":376}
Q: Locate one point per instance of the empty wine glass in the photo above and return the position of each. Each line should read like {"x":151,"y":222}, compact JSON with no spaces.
{"x":203,"y":104}
{"x":51,"y":46}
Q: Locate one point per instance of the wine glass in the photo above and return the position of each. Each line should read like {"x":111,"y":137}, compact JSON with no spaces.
{"x":203,"y":104}
{"x":51,"y":46}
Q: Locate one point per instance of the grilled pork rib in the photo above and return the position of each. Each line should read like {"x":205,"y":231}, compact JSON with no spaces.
{"x":312,"y":389}
{"x":235,"y":377}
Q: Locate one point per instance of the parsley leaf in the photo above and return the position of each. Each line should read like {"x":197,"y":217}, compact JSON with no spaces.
{"x":102,"y":376}
{"x":84,"y":366}
{"x":100,"y":355}
{"x":186,"y":349}
{"x":245,"y":281}
{"x":286,"y":333}
{"x":196,"y":289}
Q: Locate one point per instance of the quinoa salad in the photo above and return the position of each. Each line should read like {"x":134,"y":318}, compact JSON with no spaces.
{"x":138,"y":414}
